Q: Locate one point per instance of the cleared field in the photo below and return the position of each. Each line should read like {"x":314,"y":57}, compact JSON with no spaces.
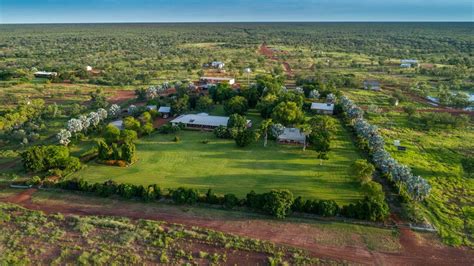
{"x":223,"y":167}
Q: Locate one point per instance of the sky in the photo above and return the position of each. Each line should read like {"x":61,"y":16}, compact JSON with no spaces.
{"x":89,"y":11}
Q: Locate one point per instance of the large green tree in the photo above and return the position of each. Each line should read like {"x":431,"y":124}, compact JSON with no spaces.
{"x":288,"y":113}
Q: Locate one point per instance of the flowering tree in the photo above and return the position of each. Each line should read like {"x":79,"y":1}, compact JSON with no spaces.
{"x":416,"y":186}
{"x":114,"y":110}
{"x":94,"y":119}
{"x":299,"y":90}
{"x":151,"y":93}
{"x":314,"y":94}
{"x":331,"y":98}
{"x":64,"y":137}
{"x":74,"y":125}
{"x":102,"y":114}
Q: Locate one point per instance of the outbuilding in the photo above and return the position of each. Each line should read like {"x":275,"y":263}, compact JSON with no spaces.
{"x":164,"y":111}
{"x":372,"y":85}
{"x":118,"y":124}
{"x":45,"y":74}
{"x":216,"y":80}
{"x":292,"y":136}
{"x":323,"y":108}
{"x":203,"y":121}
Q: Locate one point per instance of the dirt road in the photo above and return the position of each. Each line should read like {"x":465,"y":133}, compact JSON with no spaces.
{"x":415,"y":251}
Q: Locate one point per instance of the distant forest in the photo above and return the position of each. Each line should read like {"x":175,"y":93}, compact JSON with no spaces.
{"x":128,"y":50}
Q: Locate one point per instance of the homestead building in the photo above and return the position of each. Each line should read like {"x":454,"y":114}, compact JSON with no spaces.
{"x":216,"y":80}
{"x":45,"y":74}
{"x":292,"y":136}
{"x":323,"y":108}
{"x":372,"y":85}
{"x":203,"y":121}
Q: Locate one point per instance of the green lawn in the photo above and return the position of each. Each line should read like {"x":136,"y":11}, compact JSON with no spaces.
{"x":225,"y":168}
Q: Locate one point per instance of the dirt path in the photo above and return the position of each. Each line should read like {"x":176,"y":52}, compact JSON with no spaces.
{"x":121,"y":96}
{"x":269,"y":53}
{"x":300,"y":235}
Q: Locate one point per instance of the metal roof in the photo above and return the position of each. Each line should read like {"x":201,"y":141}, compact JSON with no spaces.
{"x":293,"y":134}
{"x":202,"y":119}
{"x":164,"y":109}
{"x":322,"y":106}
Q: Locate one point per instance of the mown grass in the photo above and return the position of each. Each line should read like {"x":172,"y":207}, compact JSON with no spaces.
{"x":225,"y":168}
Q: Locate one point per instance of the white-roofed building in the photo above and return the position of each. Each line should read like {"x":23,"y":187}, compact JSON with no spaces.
{"x":408,"y":63}
{"x":202,"y":121}
{"x":218,"y":64}
{"x":217,"y":80}
{"x":45,"y":74}
{"x":118,"y":124}
{"x":151,"y":107}
{"x":165,"y":111}
{"x":292,"y":136}
{"x":372,"y":85}
{"x":323,"y":108}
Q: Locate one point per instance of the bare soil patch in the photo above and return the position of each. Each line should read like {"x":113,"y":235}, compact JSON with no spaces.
{"x":300,"y":235}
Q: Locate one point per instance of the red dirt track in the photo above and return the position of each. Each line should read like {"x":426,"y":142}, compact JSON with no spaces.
{"x":300,"y":235}
{"x":268,"y":52}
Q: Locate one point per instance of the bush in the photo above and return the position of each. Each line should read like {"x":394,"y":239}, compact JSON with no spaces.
{"x":276,"y":202}
{"x":245,"y":137}
{"x":185,"y":195}
{"x":367,"y":209}
{"x":222,"y":132}
{"x":176,"y":139}
{"x":363,"y":170}
{"x":230,"y":201}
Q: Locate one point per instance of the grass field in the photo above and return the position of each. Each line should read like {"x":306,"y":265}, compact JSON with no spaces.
{"x":222,"y":166}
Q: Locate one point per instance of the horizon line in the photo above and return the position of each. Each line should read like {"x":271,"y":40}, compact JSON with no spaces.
{"x":217,"y":22}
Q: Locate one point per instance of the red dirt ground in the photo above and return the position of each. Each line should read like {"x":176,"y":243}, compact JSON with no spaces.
{"x":300,"y":235}
{"x":268,"y":52}
{"x":122,"y":96}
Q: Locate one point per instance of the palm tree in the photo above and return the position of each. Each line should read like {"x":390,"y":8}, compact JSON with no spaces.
{"x":306,"y":130}
{"x":266,"y":124}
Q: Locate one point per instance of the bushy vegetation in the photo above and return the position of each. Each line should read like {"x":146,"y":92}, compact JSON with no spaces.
{"x":33,"y":237}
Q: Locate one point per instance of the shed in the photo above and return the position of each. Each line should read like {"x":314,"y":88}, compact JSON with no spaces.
{"x":292,"y":136}
{"x":323,"y":108}
{"x":118,"y":124}
{"x":372,"y":85}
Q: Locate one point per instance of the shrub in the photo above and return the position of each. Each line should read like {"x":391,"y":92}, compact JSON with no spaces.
{"x":185,"y":195}
{"x":363,"y":170}
{"x":176,"y":139}
{"x":277,"y":203}
{"x":230,"y":201}
{"x":222,"y":132}
{"x":245,"y":137}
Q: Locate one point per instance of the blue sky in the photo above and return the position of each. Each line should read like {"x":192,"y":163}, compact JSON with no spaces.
{"x":78,"y":11}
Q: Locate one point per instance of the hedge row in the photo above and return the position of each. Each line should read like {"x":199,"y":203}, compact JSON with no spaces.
{"x":277,"y":203}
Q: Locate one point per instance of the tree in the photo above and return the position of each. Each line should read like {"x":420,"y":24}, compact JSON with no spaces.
{"x":363,"y":170}
{"x":114,"y":110}
{"x":278,"y":203}
{"x":237,"y":121}
{"x":305,"y":129}
{"x":180,"y":105}
{"x":252,"y":95}
{"x":322,"y":123}
{"x":128,"y":152}
{"x":74,"y":125}
{"x":204,"y":103}
{"x":236,"y":105}
{"x":320,"y":142}
{"x":266,"y":105}
{"x":103,"y":150}
{"x":98,"y":99}
{"x":128,"y":135}
{"x":288,"y":113}
{"x":264,"y":127}
{"x":245,"y":137}
{"x":131,"y":123}
{"x":468,"y":165}
{"x":111,"y":134}
{"x":373,"y":190}
{"x":409,"y":110}
{"x":64,"y":137}
{"x":221,"y":92}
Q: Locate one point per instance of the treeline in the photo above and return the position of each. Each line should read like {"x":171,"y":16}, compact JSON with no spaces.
{"x":277,"y":203}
